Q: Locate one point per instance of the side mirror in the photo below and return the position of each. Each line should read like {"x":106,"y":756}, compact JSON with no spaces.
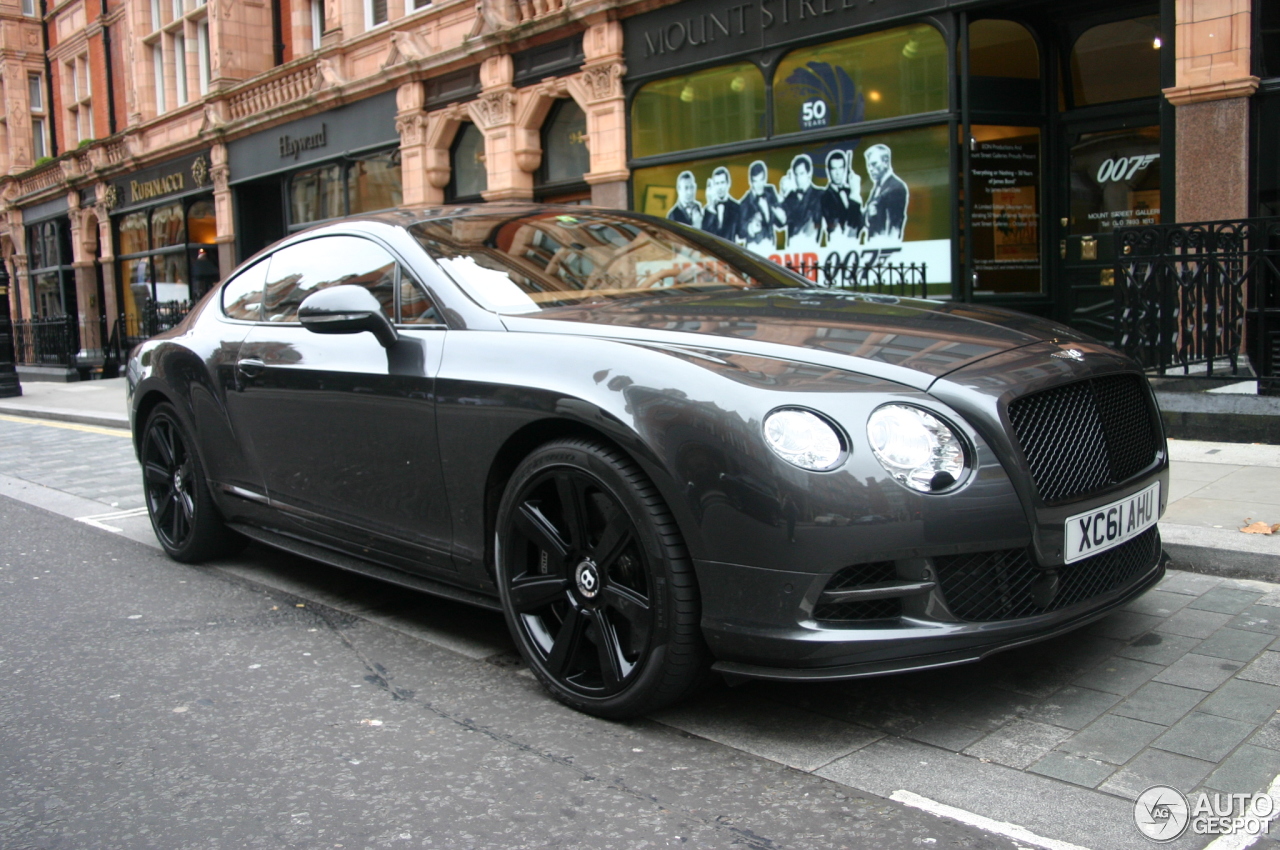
{"x":346,"y":309}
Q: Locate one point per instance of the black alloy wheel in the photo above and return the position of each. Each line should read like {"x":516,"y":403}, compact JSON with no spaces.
{"x":182,"y":513}
{"x":595,"y":584}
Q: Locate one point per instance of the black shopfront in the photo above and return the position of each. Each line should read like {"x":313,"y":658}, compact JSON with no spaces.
{"x":985,"y":152}
{"x":164,"y":226}
{"x":321,"y":167}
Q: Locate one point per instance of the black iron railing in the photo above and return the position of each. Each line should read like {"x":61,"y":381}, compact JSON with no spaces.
{"x":906,"y":280}
{"x":65,"y":341}
{"x":46,"y":342}
{"x":1202,"y":299}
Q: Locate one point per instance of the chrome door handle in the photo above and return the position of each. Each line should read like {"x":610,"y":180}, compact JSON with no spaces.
{"x":250,"y":368}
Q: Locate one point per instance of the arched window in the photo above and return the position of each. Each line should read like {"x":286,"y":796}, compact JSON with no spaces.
{"x":1004,"y":67}
{"x":711,"y":107}
{"x":565,"y":157}
{"x":469,"y":175}
{"x":1117,"y":61}
{"x":902,"y":71}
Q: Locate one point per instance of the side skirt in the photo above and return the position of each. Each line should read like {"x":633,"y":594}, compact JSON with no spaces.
{"x":356,"y":565}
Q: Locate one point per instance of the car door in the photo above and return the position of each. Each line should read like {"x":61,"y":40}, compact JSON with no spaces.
{"x":342,"y":428}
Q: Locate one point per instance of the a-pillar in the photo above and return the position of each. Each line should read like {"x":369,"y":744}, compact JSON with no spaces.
{"x":598,"y":89}
{"x":1211,"y":97}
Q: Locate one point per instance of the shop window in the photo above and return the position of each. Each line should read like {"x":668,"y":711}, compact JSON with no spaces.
{"x":167,"y":259}
{"x":51,"y":275}
{"x":1005,"y":182}
{"x":469,"y":177}
{"x":1004,"y":67}
{"x":711,"y":107}
{"x":874,"y":205}
{"x":316,"y":194}
{"x":1115,"y":180}
{"x":565,"y":156}
{"x":902,"y":71}
{"x":167,"y":226}
{"x":373,"y":183}
{"x":1117,"y":61}
{"x":1269,"y":37}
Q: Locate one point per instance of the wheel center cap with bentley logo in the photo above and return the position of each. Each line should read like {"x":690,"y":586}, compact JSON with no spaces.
{"x":1069,"y":354}
{"x":588,"y":579}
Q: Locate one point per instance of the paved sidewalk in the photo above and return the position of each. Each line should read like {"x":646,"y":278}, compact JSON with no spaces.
{"x":1215,"y":490}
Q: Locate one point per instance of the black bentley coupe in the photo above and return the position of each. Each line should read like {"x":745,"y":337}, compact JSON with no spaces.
{"x":657,"y":453}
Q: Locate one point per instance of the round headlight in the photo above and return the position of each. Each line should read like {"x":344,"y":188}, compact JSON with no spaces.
{"x":915,"y":447}
{"x":803,"y":439}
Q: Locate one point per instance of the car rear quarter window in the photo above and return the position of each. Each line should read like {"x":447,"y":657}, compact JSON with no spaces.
{"x":242,"y":296}
{"x":306,"y":267}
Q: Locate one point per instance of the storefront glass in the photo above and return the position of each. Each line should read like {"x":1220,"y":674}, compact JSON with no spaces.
{"x":1005,"y":169}
{"x":373,"y":183}
{"x":167,"y":260}
{"x":1115,"y":180}
{"x":51,"y":276}
{"x":469,"y":175}
{"x":902,"y":71}
{"x":337,"y":189}
{"x":1116,"y":61}
{"x":711,"y":107}
{"x":1004,"y":67}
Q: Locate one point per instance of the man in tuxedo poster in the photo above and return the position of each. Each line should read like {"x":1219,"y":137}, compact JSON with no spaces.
{"x":687,"y":209}
{"x":886,"y":207}
{"x":803,"y":204}
{"x":760,"y":212}
{"x":720,"y":218}
{"x":842,"y":202}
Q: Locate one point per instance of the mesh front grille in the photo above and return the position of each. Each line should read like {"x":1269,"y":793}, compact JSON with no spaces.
{"x":1079,"y":438}
{"x":1007,"y":584}
{"x":860,"y":575}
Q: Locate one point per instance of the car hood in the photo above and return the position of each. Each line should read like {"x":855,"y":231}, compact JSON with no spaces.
{"x":911,"y":341}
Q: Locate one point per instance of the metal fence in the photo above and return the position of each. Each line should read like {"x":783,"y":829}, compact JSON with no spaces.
{"x":99,"y":343}
{"x":1202,"y":299}
{"x":906,"y":280}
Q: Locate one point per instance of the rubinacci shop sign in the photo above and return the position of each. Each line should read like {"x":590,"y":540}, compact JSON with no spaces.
{"x":694,"y":32}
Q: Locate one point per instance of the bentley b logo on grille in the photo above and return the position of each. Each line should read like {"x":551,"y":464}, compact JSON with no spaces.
{"x":1069,"y":354}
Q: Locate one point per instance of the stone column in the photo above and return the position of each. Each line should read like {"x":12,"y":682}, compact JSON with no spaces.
{"x":411,"y":124}
{"x":220,"y":174}
{"x":107,"y":257}
{"x":598,"y":90}
{"x":84,"y":241}
{"x":1212,"y":93}
{"x":509,"y":158}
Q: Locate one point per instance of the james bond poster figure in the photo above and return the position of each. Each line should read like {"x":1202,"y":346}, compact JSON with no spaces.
{"x":802,"y":203}
{"x":760,"y":212}
{"x":886,"y":208}
{"x":687,"y":209}
{"x":842,"y":203}
{"x":720,"y":218}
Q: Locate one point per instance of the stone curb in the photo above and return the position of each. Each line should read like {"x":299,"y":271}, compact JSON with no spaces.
{"x":59,"y":414}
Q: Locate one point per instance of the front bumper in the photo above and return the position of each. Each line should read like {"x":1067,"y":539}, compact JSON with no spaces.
{"x":759,"y":625}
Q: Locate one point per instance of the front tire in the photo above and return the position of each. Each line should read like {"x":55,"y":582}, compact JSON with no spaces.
{"x":595,"y":582}
{"x":179,"y":503}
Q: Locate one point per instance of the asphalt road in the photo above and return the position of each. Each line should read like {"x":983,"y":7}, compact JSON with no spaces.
{"x":152,"y":704}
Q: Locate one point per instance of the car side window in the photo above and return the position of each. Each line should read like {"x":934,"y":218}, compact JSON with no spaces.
{"x":416,"y":306}
{"x":307,"y":267}
{"x":242,"y":296}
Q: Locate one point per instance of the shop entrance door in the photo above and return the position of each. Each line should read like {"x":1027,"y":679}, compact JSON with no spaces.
{"x":1113,"y":174}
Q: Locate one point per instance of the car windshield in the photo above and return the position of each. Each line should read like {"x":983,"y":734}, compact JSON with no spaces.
{"x":535,"y":261}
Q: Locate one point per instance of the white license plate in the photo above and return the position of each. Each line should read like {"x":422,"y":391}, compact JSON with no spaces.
{"x":1110,"y":525}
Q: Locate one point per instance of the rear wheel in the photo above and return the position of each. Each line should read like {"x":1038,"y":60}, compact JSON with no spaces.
{"x":595,"y":582}
{"x":182,"y":512}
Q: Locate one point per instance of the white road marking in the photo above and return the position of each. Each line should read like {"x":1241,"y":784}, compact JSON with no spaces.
{"x":1240,"y":840}
{"x":97,"y":519}
{"x":1008,"y":830}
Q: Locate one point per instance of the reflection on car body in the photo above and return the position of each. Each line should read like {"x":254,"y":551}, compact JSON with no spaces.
{"x":655,"y":452}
